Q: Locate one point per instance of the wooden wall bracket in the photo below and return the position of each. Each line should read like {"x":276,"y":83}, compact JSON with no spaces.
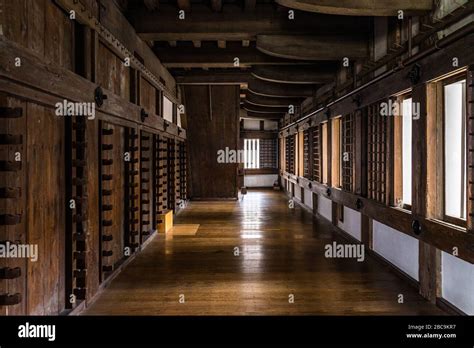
{"x":10,"y":300}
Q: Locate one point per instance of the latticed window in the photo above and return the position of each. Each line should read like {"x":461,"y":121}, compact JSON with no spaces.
{"x":307,"y":134}
{"x":378,"y":155}
{"x":268,"y":153}
{"x":347,"y":154}
{"x":316,"y":152}
{"x":290,"y":154}
{"x":252,"y":153}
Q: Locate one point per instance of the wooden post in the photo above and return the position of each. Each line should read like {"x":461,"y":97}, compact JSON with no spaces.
{"x":366,"y":232}
{"x":429,"y":256}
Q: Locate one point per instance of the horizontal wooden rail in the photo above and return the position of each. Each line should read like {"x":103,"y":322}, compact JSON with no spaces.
{"x":437,"y":64}
{"x":48,"y":85}
{"x":437,"y":233}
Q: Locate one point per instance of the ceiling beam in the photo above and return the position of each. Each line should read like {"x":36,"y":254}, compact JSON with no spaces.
{"x":360,"y":7}
{"x":233,"y":24}
{"x":151,"y":5}
{"x":184,"y":5}
{"x":261,"y":116}
{"x":270,"y":89}
{"x":231,"y":77}
{"x":263,"y":109}
{"x":312,"y":47}
{"x":296,"y":74}
{"x":213,"y":57}
{"x":259,"y":100}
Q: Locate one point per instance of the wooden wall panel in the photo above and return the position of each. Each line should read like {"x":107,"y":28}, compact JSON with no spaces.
{"x":58,"y":37}
{"x":147,"y":96}
{"x":48,"y":37}
{"x":112,"y":73}
{"x":212,"y":129}
{"x":36,"y":25}
{"x":41,"y":26}
{"x":15,"y":26}
{"x":46,"y":210}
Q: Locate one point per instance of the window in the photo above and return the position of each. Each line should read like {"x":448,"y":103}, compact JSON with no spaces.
{"x":336,"y":152}
{"x":251,"y":153}
{"x":300,"y":154}
{"x":324,"y":151}
{"x":307,"y":135}
{"x":168,"y":109}
{"x":268,"y":153}
{"x":316,"y":154}
{"x":454,"y":98}
{"x":377,"y":154}
{"x":406,"y":150}
{"x":347,"y":153}
{"x":403,"y":153}
{"x":290,"y":154}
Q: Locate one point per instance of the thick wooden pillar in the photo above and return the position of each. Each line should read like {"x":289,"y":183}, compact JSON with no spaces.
{"x":429,"y":256}
{"x":366,"y":231}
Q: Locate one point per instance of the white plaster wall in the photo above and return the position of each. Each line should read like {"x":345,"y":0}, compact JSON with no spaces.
{"x":308,"y":198}
{"x":352,"y":223}
{"x":252,"y":124}
{"x":261,"y":180}
{"x":397,"y":247}
{"x":298,"y":192}
{"x":167,"y":109}
{"x":325,"y":207}
{"x":270,"y":125}
{"x":457,"y":279}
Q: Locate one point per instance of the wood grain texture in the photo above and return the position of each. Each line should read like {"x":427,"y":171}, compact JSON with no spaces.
{"x":281,"y":253}
{"x":211,"y":129}
{"x":14,"y":206}
{"x":46,"y":210}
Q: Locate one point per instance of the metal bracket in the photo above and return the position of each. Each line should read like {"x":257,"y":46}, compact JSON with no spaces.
{"x":415,"y":74}
{"x":99,"y":96}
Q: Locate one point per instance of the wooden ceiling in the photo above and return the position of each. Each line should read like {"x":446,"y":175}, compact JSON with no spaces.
{"x":278,"y":51}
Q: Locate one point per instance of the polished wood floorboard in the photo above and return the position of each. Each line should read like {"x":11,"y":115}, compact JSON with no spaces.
{"x":281,"y":253}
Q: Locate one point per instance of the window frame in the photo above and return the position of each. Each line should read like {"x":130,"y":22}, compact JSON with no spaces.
{"x":398,"y":150}
{"x":256,"y":142}
{"x":444,"y":217}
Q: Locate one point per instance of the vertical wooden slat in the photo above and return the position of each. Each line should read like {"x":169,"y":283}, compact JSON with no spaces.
{"x":146,"y":187}
{"x":429,"y":271}
{"x":419,"y":154}
{"x":316,"y":153}
{"x":93,"y":210}
{"x":366,"y":231}
{"x":328,"y":150}
{"x":348,"y":152}
{"x":132,"y":190}
{"x":16,"y":206}
{"x":470,"y":148}
{"x":360,"y":152}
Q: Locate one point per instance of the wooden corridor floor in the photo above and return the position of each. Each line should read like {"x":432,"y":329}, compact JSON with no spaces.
{"x":281,"y":253}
